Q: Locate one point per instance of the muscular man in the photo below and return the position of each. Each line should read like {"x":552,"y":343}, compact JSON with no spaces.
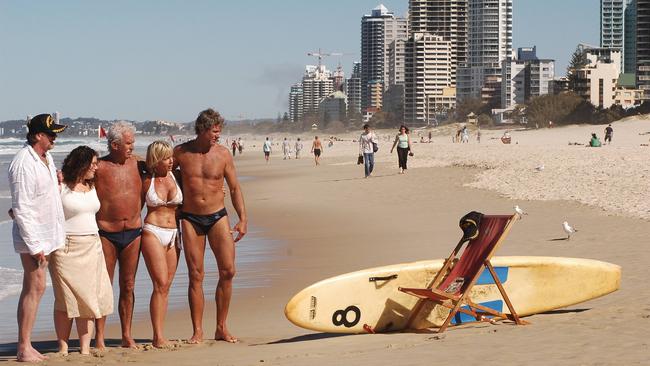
{"x":119,"y":186}
{"x":203,"y":165}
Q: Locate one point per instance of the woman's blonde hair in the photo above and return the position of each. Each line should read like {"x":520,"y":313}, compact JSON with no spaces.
{"x":156,"y":152}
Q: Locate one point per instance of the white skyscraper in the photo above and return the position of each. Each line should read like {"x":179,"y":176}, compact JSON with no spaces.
{"x":428,"y":75}
{"x":445,"y":18}
{"x":316,"y":85}
{"x":490,"y":43}
{"x":295,"y":103}
{"x":378,"y":30}
{"x":618,"y":29}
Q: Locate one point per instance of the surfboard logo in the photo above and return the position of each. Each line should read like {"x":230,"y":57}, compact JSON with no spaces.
{"x":340,"y":317}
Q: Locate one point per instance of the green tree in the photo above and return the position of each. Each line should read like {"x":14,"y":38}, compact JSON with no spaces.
{"x":578,"y":61}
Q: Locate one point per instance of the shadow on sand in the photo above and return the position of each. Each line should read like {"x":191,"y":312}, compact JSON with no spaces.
{"x":8,"y":350}
{"x":306,"y":338}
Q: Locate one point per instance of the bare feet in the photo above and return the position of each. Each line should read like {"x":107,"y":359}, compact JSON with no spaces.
{"x":197,"y":338}
{"x":222,"y":334}
{"x":128,"y":342}
{"x":63,"y":348}
{"x":30,"y":355}
{"x":99,"y":344}
{"x":161,"y":343}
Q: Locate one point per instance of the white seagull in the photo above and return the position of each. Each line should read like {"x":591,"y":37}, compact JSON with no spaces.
{"x":520,"y":212}
{"x":568,"y":230}
{"x":539,"y":168}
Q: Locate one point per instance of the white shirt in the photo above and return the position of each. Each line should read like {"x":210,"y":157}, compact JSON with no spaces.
{"x":267,"y":146}
{"x":39,"y":220}
{"x":365,"y":142}
{"x":80,"y":209}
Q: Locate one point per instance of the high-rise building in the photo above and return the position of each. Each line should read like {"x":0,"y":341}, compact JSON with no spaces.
{"x":597,"y":83}
{"x":353,"y":90}
{"x":643,"y":47}
{"x":295,"y":103}
{"x":629,"y":37}
{"x":490,"y":43}
{"x":428,"y":74}
{"x":525,"y":77}
{"x":396,"y":62}
{"x":378,"y":30}
{"x":445,"y":18}
{"x":316,"y":85}
{"x":618,"y":29}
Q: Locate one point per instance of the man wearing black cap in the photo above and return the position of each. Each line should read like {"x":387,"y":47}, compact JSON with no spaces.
{"x":38,"y":227}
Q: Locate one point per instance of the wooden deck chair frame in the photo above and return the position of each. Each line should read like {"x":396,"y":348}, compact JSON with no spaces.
{"x":455,"y":302}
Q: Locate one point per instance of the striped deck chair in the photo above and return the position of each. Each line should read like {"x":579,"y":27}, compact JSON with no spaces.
{"x":451,"y":286}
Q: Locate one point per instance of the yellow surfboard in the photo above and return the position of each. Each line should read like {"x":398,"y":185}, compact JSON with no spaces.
{"x":345,"y":303}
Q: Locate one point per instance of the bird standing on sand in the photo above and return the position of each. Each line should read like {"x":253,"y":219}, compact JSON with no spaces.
{"x":520,"y":212}
{"x":568,"y":230}
{"x":539,"y":168}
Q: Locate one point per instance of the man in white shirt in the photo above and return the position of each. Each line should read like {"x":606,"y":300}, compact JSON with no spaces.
{"x":367,"y":142}
{"x":286,"y":149}
{"x":38,"y":227}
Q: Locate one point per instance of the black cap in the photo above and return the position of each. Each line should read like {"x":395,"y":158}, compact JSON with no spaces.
{"x":44,"y":123}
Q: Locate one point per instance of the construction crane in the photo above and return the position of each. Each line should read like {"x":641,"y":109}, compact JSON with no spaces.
{"x":320,"y":54}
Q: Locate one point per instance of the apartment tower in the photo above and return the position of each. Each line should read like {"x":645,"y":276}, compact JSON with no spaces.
{"x":378,"y":30}
{"x":618,"y":29}
{"x":643,"y":48}
{"x":445,"y":18}
{"x":428,"y":75}
{"x":490,"y":43}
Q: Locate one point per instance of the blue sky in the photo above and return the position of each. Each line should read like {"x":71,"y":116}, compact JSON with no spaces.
{"x":164,"y":59}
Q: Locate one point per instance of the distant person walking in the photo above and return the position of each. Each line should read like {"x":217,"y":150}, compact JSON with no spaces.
{"x":267,"y":147}
{"x":233,"y":145}
{"x":403,"y":143}
{"x":240,"y":145}
{"x":286,"y":149}
{"x":316,"y":149}
{"x":609,"y":132}
{"x":82,"y":288}
{"x":465,"y":135}
{"x":367,"y":148}
{"x":298,"y":147}
{"x":38,"y":226}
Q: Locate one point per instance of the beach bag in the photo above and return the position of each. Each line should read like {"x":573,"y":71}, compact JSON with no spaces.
{"x":375,"y":147}
{"x":360,"y":159}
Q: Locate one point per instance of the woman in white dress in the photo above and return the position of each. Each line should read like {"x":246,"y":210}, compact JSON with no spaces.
{"x":160,"y":237}
{"x":82,"y":289}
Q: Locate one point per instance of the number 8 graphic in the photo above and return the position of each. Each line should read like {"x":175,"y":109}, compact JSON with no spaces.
{"x":340,"y":317}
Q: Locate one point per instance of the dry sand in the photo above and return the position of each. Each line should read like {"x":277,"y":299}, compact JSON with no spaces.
{"x":329,"y":220}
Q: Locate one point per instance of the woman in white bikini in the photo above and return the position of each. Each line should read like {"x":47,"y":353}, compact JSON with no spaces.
{"x":160,"y":237}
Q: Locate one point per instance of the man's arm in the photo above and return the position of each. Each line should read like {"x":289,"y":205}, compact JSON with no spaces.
{"x":236,"y":196}
{"x":23,"y":204}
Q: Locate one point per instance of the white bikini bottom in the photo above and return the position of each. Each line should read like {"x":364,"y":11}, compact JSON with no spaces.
{"x":166,"y":236}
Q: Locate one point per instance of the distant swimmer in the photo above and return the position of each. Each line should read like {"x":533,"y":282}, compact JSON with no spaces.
{"x":267,"y":148}
{"x":316,"y":149}
{"x":203,"y":167}
{"x":119,"y":221}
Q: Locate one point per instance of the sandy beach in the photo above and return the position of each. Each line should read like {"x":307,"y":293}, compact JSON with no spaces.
{"x":328,"y":220}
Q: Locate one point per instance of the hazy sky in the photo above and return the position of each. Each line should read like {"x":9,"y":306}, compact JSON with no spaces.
{"x":163,"y":59}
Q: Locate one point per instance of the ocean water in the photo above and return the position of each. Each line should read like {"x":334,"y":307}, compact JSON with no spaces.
{"x":253,"y":255}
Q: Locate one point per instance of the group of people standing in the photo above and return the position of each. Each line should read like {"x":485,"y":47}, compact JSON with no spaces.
{"x":288,"y":149}
{"x":84,"y":222}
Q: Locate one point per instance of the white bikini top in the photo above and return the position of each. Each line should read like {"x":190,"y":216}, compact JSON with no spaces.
{"x":153,"y":200}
